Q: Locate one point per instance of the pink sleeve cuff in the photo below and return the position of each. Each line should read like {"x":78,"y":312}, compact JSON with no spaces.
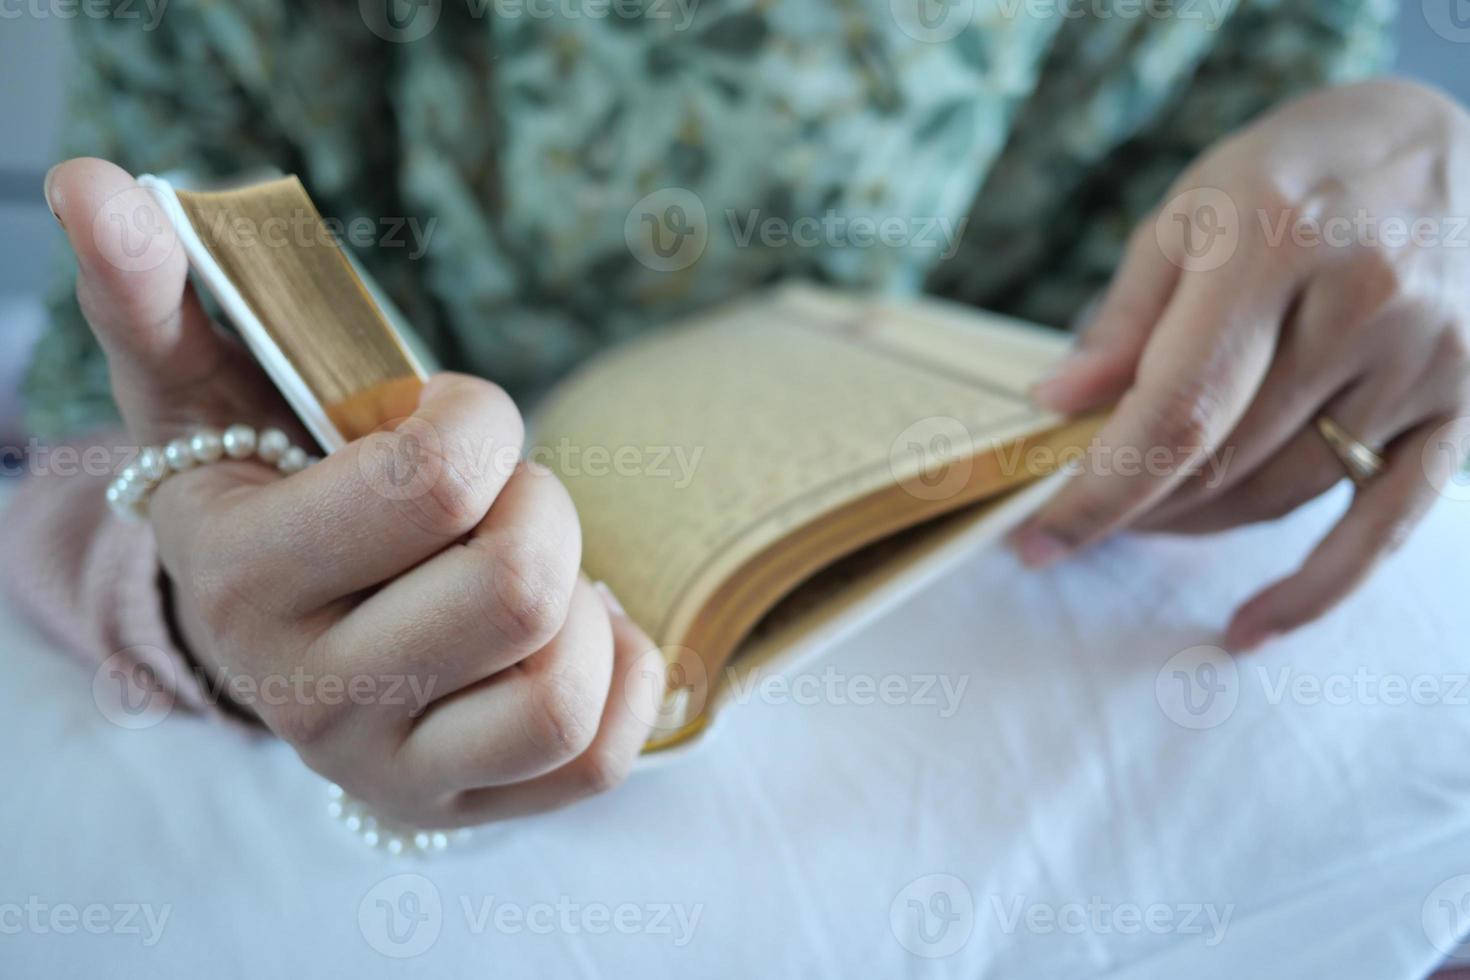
{"x":93,"y":581}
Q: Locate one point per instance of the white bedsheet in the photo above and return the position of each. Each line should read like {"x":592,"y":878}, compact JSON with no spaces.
{"x":1058,"y":823}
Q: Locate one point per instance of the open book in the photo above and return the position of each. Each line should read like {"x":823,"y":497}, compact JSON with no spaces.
{"x":750,"y":484}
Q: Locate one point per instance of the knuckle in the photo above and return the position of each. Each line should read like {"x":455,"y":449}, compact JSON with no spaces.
{"x":1453,"y":347}
{"x":1277,"y":208}
{"x":1182,"y":416}
{"x":602,"y":769}
{"x":495,"y":399}
{"x":530,"y":590}
{"x":303,"y":726}
{"x":450,"y":504}
{"x":1379,"y":277}
{"x":1452,"y":353}
{"x":563,"y":718}
{"x":1449,"y":371}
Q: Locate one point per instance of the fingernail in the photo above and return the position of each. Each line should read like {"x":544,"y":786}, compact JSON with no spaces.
{"x":51,"y":201}
{"x":1036,"y":548}
{"x":611,"y":600}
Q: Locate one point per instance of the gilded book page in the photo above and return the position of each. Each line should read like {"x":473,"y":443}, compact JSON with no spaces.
{"x":693,"y":450}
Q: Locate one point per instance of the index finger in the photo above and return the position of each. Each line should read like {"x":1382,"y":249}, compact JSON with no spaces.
{"x":1199,"y":371}
{"x":366,"y":513}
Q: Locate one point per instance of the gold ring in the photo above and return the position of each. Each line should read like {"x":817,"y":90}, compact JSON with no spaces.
{"x":1361,"y":463}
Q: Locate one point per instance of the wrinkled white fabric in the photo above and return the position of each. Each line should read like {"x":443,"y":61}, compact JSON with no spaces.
{"x":998,"y":779}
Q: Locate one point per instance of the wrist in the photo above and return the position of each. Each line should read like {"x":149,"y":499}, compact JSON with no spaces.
{"x":192,"y":641}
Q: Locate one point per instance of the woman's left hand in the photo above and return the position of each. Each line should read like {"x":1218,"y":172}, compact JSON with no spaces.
{"x":1315,"y":264}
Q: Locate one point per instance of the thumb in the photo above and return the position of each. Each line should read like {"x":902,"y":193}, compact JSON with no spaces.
{"x":172,"y":371}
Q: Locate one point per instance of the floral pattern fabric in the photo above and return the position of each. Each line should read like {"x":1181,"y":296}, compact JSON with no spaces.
{"x":577,"y":171}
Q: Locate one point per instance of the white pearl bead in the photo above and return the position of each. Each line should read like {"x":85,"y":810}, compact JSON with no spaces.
{"x":128,"y":475}
{"x":151,"y":464}
{"x":272,"y":445}
{"x":394,"y":838}
{"x":239,"y":441}
{"x":179,"y":455}
{"x":206,"y":446}
{"x":292,"y":461}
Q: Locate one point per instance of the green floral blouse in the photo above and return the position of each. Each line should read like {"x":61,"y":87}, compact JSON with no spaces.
{"x":533,"y":179}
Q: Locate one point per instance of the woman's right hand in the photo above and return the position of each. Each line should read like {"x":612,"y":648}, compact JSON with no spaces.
{"x":423,"y":636}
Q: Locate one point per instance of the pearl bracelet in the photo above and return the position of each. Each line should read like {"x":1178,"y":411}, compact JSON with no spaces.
{"x":378,"y":832}
{"x":128,"y":494}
